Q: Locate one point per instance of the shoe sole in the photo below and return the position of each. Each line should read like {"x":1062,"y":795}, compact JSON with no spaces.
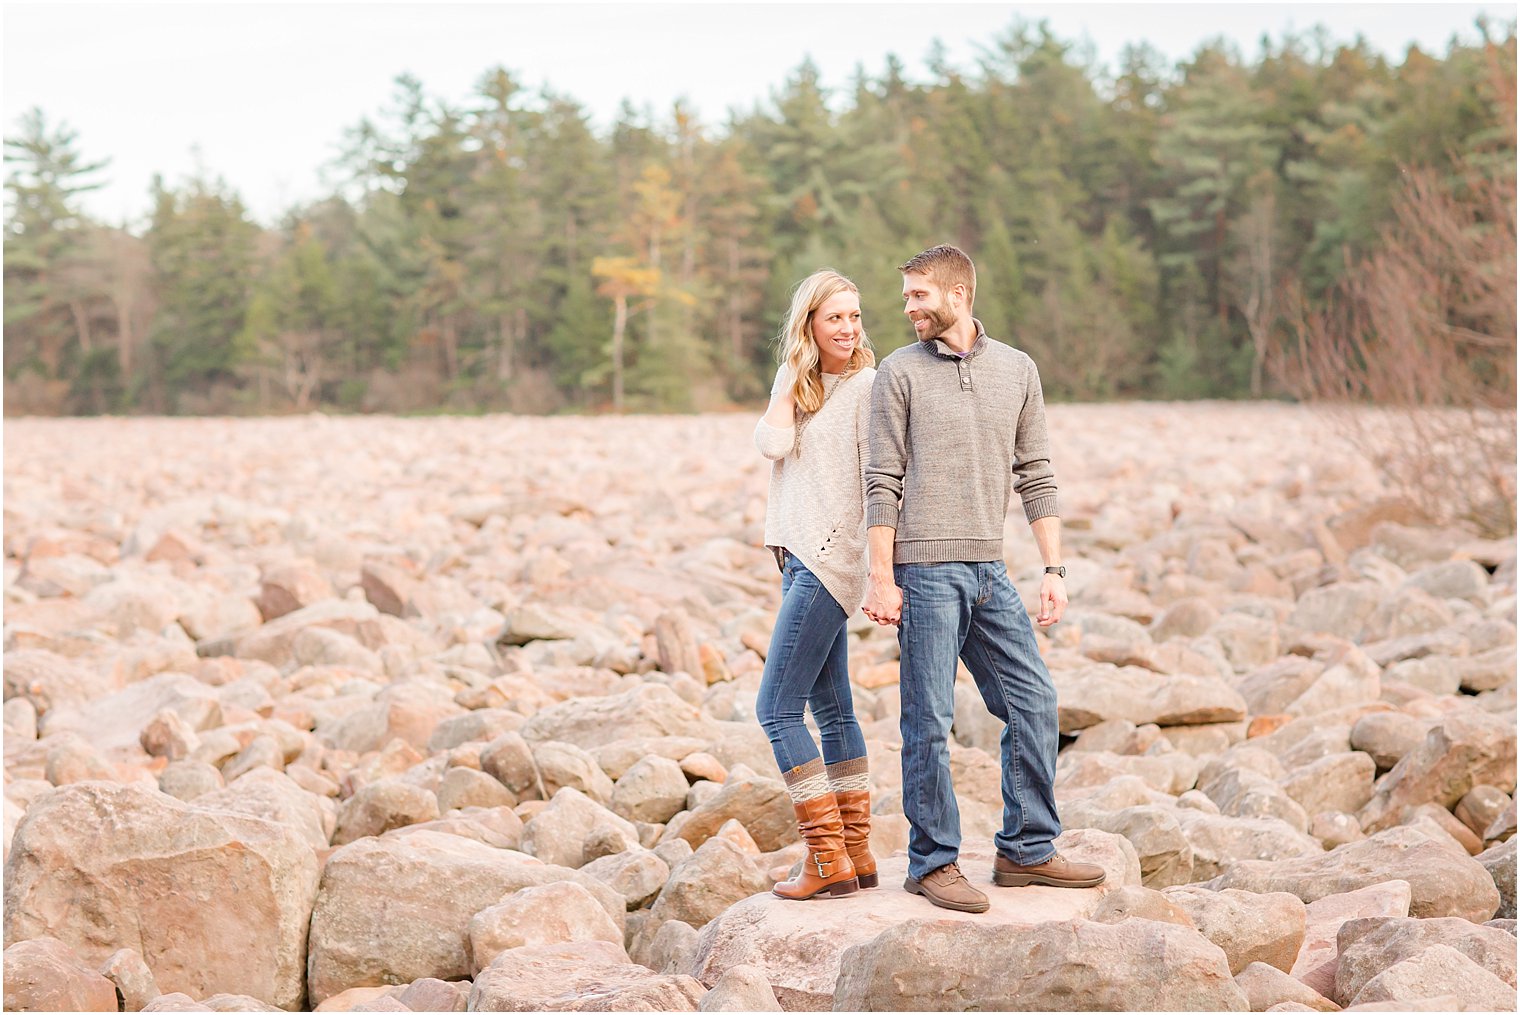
{"x":1023,"y":880}
{"x":915,"y":888}
{"x":849,"y":887}
{"x":868,"y":880}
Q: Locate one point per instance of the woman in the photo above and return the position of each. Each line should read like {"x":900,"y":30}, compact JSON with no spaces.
{"x":815,"y":432}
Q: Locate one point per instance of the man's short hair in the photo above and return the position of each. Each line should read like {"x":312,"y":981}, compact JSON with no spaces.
{"x":946,"y":266}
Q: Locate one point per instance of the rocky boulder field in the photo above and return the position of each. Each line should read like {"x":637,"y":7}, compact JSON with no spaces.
{"x":377,"y":714}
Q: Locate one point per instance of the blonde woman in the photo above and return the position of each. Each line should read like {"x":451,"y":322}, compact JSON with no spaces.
{"x":815,"y":431}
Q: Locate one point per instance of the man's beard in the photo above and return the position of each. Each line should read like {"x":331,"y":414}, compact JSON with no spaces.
{"x":941,"y":319}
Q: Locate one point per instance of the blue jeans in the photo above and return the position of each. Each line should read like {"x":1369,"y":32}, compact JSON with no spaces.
{"x":808,"y":664}
{"x":971,"y":611}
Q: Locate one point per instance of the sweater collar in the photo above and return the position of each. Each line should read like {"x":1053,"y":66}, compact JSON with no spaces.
{"x":940,"y":349}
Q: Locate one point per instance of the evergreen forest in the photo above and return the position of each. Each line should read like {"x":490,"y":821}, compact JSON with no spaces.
{"x":1227,"y":227}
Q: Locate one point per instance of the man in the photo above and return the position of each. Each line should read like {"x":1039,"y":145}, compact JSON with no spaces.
{"x":957,"y":425}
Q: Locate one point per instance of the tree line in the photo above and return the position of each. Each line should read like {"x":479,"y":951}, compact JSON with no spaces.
{"x":1162,"y":231}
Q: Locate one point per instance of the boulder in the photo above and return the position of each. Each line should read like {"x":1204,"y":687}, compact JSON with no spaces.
{"x":186,"y":780}
{"x":1248,"y":642}
{"x":1093,"y":693}
{"x":799,"y":948}
{"x":649,"y":710}
{"x":1218,"y":842}
{"x":1318,"y":957}
{"x":1242,"y":793}
{"x":433,"y":994}
{"x":556,"y":913}
{"x":1166,"y":773}
{"x":1341,"y":609}
{"x":1250,"y":928}
{"x":1478,"y":809}
{"x":636,"y":874}
{"x":495,"y":826}
{"x":560,"y":764}
{"x":665,"y":947}
{"x":113,"y":723}
{"x":134,"y":981}
{"x":273,"y":640}
{"x":1369,"y":946}
{"x":1166,"y":856}
{"x":176,"y":1001}
{"x":212,"y":900}
{"x":1442,"y":883}
{"x":1388,"y":736}
{"x":1460,"y":751}
{"x":409,"y":710}
{"x":1452,"y":579}
{"x":653,"y":789}
{"x":1353,"y":680}
{"x":509,"y":759}
{"x":381,"y":806}
{"x":706,"y":883}
{"x":481,"y":724}
{"x":381,"y":918}
{"x":44,"y":974}
{"x":572,"y":830}
{"x":273,"y":796}
{"x":1439,"y":971}
{"x":761,"y":805}
{"x":741,"y":988}
{"x":1122,"y":902}
{"x":290,"y":587}
{"x":463,"y":787}
{"x":1337,"y":782}
{"x":1137,"y":965}
{"x":1266,"y":985}
{"x":1499,"y":861}
{"x":583,"y":976}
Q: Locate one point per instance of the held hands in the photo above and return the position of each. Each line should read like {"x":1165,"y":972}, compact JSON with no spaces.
{"x":1052,"y":600}
{"x":883,"y":601}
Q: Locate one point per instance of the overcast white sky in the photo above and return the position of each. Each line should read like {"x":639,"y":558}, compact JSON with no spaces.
{"x":263,"y":91}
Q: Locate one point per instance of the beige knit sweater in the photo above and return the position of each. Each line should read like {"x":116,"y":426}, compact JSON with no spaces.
{"x":816,"y":506}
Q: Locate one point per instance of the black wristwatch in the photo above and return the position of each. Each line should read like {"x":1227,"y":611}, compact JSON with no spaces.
{"x":1059,"y":571}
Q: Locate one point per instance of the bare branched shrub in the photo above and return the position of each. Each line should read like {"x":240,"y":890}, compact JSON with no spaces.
{"x":1425,"y":329}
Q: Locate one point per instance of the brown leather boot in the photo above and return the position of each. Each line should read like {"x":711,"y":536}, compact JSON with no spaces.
{"x":855,"y":812}
{"x":826,"y":869}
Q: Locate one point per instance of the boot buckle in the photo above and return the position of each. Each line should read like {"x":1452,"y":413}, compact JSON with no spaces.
{"x":820,"y":863}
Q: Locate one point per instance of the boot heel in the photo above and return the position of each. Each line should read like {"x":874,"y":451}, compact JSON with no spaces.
{"x":868,"y":880}
{"x":849,"y":887}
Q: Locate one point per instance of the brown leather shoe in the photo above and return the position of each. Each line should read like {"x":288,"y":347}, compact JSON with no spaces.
{"x":855,"y":812}
{"x":948,"y":888}
{"x":826,"y":869}
{"x":1057,"y":872}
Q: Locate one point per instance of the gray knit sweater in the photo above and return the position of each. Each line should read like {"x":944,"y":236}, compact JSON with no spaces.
{"x":952,"y":439}
{"x":816,"y":506}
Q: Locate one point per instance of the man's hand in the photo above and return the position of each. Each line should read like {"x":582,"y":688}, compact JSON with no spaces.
{"x":1052,"y":600}
{"x":883,"y":600}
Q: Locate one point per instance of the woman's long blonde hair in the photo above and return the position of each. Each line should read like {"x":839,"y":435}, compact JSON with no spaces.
{"x":800,"y":352}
